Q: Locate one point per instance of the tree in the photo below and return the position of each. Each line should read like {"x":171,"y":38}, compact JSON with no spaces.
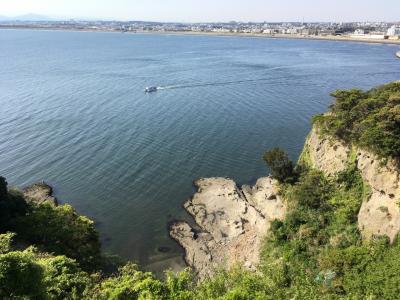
{"x":63,"y":279}
{"x":280,"y":165}
{"x":20,"y":276}
{"x":61,"y":230}
{"x":3,"y":189}
{"x":11,"y":205}
{"x":30,"y":274}
{"x":6,"y":242}
{"x":370,"y":120}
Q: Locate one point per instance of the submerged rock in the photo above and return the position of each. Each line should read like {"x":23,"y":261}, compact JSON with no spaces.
{"x":163,"y":249}
{"x":231,"y":221}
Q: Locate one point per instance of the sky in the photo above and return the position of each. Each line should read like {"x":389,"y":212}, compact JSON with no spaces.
{"x":209,"y":10}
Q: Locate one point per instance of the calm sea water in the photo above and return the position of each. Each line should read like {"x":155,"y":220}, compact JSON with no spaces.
{"x":73,"y":112}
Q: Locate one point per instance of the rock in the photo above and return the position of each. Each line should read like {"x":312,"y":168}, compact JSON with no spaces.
{"x":264,"y":195}
{"x":39,"y":193}
{"x":232,"y":223}
{"x":380,"y":214}
{"x":327,"y":154}
{"x":382,"y":177}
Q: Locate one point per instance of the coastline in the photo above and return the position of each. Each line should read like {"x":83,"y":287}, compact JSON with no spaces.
{"x":282,"y":36}
{"x":224,"y":34}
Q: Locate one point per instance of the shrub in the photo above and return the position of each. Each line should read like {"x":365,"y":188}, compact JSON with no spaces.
{"x":20,"y":276}
{"x":369,"y":119}
{"x":5,"y":242}
{"x":280,"y":165}
{"x":12,"y":204}
{"x":60,"y":230}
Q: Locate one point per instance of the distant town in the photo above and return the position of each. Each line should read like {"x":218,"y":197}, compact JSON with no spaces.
{"x":355,"y":30}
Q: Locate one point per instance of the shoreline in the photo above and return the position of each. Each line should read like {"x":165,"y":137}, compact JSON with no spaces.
{"x":223,"y":34}
{"x":282,"y":36}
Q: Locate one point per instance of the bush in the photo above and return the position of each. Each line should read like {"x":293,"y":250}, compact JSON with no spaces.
{"x":237,"y":284}
{"x":20,"y":276}
{"x":12,"y":204}
{"x":131,"y":283}
{"x":369,"y":119}
{"x":5,"y":242}
{"x":63,"y":279}
{"x":60,"y":230}
{"x":280,"y":165}
{"x":32,"y":275}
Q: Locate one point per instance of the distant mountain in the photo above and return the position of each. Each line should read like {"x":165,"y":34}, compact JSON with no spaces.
{"x":3,"y":18}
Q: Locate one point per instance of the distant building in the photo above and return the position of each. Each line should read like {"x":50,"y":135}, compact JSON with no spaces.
{"x":359,"y":31}
{"x":371,"y":36}
{"x":269,"y":31}
{"x":394,"y":31}
{"x":292,"y":31}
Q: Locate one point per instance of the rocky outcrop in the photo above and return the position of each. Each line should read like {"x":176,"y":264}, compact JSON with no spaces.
{"x":230,"y":223}
{"x":326,"y":154}
{"x":39,"y":193}
{"x":380,"y":214}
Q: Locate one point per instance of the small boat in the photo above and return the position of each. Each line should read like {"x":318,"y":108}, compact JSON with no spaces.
{"x":150,"y":89}
{"x":398,"y":54}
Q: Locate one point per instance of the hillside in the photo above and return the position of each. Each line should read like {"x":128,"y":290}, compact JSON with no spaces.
{"x":325,"y":228}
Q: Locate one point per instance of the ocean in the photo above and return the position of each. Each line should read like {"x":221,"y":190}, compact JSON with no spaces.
{"x":74,"y":114}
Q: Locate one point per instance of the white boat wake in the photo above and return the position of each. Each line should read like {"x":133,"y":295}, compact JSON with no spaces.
{"x":221,"y":83}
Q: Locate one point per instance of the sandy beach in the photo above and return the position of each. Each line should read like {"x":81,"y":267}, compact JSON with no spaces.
{"x":283,"y":36}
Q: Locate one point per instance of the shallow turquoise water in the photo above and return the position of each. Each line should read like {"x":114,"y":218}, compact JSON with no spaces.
{"x":73,"y":113}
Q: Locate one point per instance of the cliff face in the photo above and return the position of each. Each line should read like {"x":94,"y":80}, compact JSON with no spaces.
{"x":231,"y":223}
{"x":380,"y":214}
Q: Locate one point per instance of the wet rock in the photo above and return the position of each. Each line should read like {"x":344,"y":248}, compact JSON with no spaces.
{"x":39,"y":193}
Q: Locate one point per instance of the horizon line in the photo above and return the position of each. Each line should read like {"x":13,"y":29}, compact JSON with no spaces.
{"x":52,"y":18}
{"x":89,"y":19}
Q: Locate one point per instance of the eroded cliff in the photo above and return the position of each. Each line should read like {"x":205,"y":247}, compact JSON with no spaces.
{"x":380,"y":213}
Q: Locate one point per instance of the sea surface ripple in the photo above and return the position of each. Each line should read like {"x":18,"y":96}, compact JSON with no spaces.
{"x":73,"y":112}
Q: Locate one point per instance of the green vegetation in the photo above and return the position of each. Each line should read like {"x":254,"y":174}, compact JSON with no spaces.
{"x":369,"y":119}
{"x":29,"y":274}
{"x":60,"y":230}
{"x":51,"y":252}
{"x":12,"y":204}
{"x":281,"y":167}
{"x":316,"y":252}
{"x":131,"y":283}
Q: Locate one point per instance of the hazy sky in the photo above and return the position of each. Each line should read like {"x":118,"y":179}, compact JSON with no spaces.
{"x":210,"y":10}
